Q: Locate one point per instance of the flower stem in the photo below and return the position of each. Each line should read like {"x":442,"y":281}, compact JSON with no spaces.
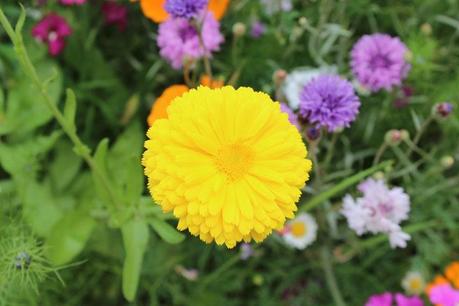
{"x":327,"y":266}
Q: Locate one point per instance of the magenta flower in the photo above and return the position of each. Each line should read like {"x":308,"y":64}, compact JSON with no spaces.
{"x":292,"y":117}
{"x":387,"y":298}
{"x":378,"y":61}
{"x":178,"y":40}
{"x":380,"y":210}
{"x":72,"y":2}
{"x":115,"y":14}
{"x":329,"y":101}
{"x":444,"y":295}
{"x":52,"y":30}
{"x":384,"y":299}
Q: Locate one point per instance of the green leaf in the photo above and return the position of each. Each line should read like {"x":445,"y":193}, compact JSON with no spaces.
{"x":68,"y":237}
{"x":135,"y":238}
{"x":342,"y":186}
{"x":21,"y":20}
{"x":100,"y":158}
{"x":70,"y":108}
{"x":2,"y":103}
{"x":39,"y":208}
{"x":65,"y":166}
{"x":166,"y":231}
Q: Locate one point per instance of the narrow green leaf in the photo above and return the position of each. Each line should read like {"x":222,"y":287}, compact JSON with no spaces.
{"x":70,"y":108}
{"x":2,"y":102}
{"x":100,"y":157}
{"x":165,"y":231}
{"x":21,"y":20}
{"x":342,"y":186}
{"x":135,"y":238}
{"x":68,"y":237}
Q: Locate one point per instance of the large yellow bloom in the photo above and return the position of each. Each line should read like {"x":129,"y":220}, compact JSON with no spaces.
{"x":228,"y":163}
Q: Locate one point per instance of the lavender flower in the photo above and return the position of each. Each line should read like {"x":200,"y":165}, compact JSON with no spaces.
{"x":185,"y":8}
{"x":378,"y":61}
{"x":379,"y":210}
{"x":178,"y":40}
{"x":291,"y":115}
{"x":257,"y":29}
{"x":329,"y":101}
{"x":246,"y":251}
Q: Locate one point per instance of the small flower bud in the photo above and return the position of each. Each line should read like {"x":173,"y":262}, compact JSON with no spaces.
{"x":443,"y":109}
{"x":405,"y":135}
{"x":426,"y":29}
{"x":447,"y":162}
{"x":279,"y":76}
{"x":312,"y":133}
{"x":303,"y":21}
{"x":393,"y":137}
{"x":409,"y":56}
{"x":258,"y":279}
{"x":379,"y":175}
{"x":239,"y":29}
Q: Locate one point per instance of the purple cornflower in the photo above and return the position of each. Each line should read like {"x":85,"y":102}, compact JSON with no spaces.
{"x":115,"y":14}
{"x":185,"y":8}
{"x":378,"y":61}
{"x":292,"y":117}
{"x":178,"y":40}
{"x":257,"y":29}
{"x":72,"y":2}
{"x":387,"y":298}
{"x":380,"y":210}
{"x":52,"y":30}
{"x":329,"y":101}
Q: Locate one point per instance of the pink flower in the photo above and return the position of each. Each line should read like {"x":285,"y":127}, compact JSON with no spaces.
{"x":52,"y":30}
{"x":444,"y":295}
{"x":115,"y":14}
{"x":178,"y":39}
{"x":386,"y":299}
{"x":72,"y":2}
{"x":380,"y":210}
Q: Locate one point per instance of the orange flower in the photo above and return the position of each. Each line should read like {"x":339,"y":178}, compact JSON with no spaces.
{"x":452,"y":273}
{"x":218,"y":7}
{"x":154,"y":9}
{"x":212,"y":83}
{"x":159,"y":108}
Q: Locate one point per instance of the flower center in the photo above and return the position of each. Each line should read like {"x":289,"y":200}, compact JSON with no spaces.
{"x":234,"y":160}
{"x":298,"y":229}
{"x":52,"y":36}
{"x":415,"y":284}
{"x":380,"y":61}
{"x":187,"y":32}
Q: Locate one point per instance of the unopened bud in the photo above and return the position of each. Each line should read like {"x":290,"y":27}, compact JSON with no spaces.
{"x":379,"y":175}
{"x":303,"y":21}
{"x":426,"y":29}
{"x":443,"y":109}
{"x":447,"y":161}
{"x":312,"y":133}
{"x":258,"y":279}
{"x":279,"y":76}
{"x":393,"y":137}
{"x":239,"y":29}
{"x":409,"y":56}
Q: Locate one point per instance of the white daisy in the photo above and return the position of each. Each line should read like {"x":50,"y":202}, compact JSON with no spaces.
{"x":300,"y":232}
{"x":298,"y":78}
{"x":413,"y":283}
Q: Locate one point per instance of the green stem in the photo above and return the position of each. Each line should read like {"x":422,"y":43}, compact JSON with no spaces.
{"x":214,"y":275}
{"x":327,"y":266}
{"x":380,"y":152}
{"x":80,"y":148}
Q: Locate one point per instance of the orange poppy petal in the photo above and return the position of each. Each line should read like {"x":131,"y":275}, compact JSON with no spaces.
{"x":218,"y":8}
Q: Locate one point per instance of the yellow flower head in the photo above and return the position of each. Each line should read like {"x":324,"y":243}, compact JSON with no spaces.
{"x":227,"y":163}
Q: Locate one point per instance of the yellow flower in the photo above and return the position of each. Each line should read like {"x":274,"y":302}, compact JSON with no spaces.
{"x":413,"y":283}
{"x":227,"y":163}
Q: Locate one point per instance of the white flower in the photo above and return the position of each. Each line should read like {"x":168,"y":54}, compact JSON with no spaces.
{"x":301,"y":231}
{"x":298,"y":78}
{"x":274,"y":6}
{"x":413,"y":283}
{"x":379,"y":210}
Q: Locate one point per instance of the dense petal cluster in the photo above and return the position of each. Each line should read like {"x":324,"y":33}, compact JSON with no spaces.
{"x":115,"y":14}
{"x":387,"y":299}
{"x":185,"y":8}
{"x":329,"y":101}
{"x":179,"y":40}
{"x":227,"y":163}
{"x":379,"y":210}
{"x":52,"y":30}
{"x":379,"y":61}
